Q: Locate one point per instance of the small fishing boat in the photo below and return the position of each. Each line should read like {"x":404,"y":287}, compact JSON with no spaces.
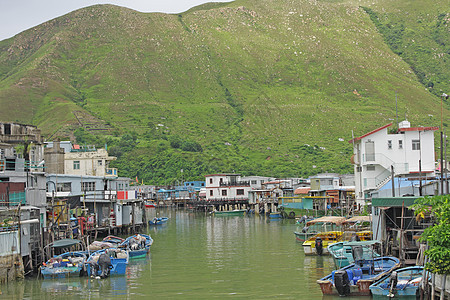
{"x":275,"y":215}
{"x":236,"y":212}
{"x":69,"y":264}
{"x":318,"y":225}
{"x":137,"y":245}
{"x":318,"y":243}
{"x":342,"y":252}
{"x":401,"y":282}
{"x":158,"y":221}
{"x":149,"y":204}
{"x":355,"y":279}
{"x":115,"y":240}
{"x":119,"y":261}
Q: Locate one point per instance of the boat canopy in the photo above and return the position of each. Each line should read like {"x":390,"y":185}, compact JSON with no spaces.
{"x":327,"y":219}
{"x":358,"y":219}
{"x":65,"y":243}
{"x":363,"y":243}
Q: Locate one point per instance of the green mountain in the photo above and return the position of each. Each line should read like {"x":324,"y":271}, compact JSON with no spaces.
{"x":267,"y":87}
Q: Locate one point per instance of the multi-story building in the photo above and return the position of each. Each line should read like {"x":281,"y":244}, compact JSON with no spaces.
{"x":226,"y":187}
{"x":379,"y":154}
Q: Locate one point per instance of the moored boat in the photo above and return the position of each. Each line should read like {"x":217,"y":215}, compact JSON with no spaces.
{"x":149,"y":204}
{"x":401,"y":282}
{"x":158,"y":221}
{"x":318,"y":243}
{"x":137,"y":245}
{"x":322,"y":224}
{"x":69,"y":264}
{"x":355,"y":279}
{"x":275,"y":215}
{"x":236,"y":212}
{"x":342,"y":252}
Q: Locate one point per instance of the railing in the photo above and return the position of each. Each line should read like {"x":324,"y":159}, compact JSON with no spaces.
{"x":385,"y":162}
{"x":235,"y":183}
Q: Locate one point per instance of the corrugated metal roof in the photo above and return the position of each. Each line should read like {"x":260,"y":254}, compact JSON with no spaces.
{"x":393,"y":201}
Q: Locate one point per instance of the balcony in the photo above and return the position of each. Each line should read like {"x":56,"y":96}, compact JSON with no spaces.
{"x":235,"y":183}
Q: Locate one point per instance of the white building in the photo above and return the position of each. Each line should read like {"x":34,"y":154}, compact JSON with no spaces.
{"x":226,"y":187}
{"x":379,"y":154}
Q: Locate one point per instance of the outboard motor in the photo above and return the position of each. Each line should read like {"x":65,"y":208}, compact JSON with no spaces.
{"x":393,"y":279}
{"x":104,"y":261}
{"x":342,"y":282}
{"x":319,"y":246}
{"x":357,"y":253}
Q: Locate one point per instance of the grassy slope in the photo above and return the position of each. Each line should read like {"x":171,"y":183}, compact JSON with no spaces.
{"x":266,"y":77}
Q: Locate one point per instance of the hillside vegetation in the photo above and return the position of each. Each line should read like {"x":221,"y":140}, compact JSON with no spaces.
{"x":266,"y":87}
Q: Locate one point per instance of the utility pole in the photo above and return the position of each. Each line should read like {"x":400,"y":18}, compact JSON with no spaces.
{"x":442,"y":142}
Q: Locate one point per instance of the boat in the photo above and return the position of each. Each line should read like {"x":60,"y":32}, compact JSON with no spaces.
{"x":137,"y":245}
{"x":355,"y":279}
{"x":119,"y":261}
{"x":149,"y":204}
{"x":236,"y":212}
{"x":158,"y":221}
{"x":358,"y":225}
{"x":69,"y":264}
{"x":318,"y":243}
{"x":401,"y":282}
{"x":342,"y":252}
{"x":318,"y":225}
{"x":275,"y":215}
{"x":112,"y":239}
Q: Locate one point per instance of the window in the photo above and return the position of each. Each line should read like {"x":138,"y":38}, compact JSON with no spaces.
{"x":210,"y":181}
{"x":203,"y":184}
{"x":211,"y":193}
{"x":358,"y":169}
{"x":389,"y":144}
{"x":370,"y":151}
{"x":370,"y":168}
{"x":224,"y":192}
{"x":400,"y":144}
{"x":100,"y":162}
{"x":240,"y":192}
{"x":416,"y":144}
{"x":76,"y":164}
{"x":88,"y":186}
{"x":64,"y":187}
{"x":253,"y":181}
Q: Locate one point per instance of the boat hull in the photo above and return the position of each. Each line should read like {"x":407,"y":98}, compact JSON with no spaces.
{"x":408,"y":283}
{"x":360,"y":278}
{"x":119,"y":265}
{"x":158,"y":221}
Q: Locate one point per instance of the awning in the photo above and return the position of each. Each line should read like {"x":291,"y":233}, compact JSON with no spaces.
{"x":358,"y":219}
{"x":393,"y":202}
{"x":327,"y":219}
{"x":362,"y":243}
{"x":65,"y":243}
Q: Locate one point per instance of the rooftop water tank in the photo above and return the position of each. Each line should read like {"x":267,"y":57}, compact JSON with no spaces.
{"x":404,"y":124}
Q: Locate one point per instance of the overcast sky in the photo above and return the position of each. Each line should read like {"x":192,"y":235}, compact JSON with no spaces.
{"x":19,"y":15}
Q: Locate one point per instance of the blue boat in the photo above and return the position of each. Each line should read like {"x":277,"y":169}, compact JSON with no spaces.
{"x":342,"y":252}
{"x":355,"y":279}
{"x":158,"y":221}
{"x":137,"y":245}
{"x":275,"y":215}
{"x":119,"y":261}
{"x":401,"y":282}
{"x":69,"y":264}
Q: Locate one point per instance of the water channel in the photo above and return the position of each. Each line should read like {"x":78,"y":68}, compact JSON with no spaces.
{"x":199,"y":256}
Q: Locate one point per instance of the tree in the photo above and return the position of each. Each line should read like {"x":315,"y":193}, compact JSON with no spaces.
{"x":438,"y":235}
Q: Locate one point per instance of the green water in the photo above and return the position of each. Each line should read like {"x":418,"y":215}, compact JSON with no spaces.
{"x":198,"y":256}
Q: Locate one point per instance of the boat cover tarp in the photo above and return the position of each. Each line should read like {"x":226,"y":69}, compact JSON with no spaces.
{"x":358,"y":219}
{"x":65,"y":243}
{"x":327,"y":219}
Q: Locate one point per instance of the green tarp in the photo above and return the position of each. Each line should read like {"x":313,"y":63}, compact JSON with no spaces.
{"x":65,"y":243}
{"x":393,"y":202}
